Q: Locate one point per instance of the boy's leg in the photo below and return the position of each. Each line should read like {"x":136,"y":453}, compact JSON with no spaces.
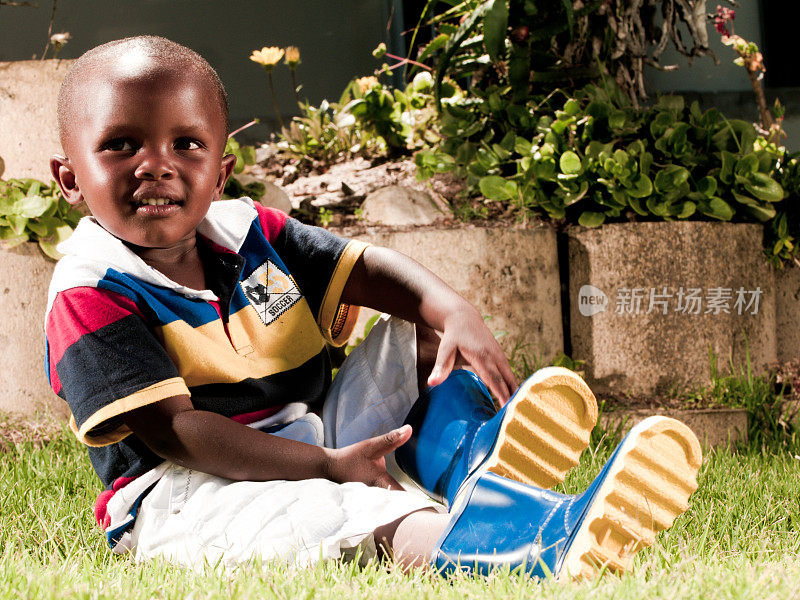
{"x":375,"y":387}
{"x":192,"y":518}
{"x":535,"y":439}
{"x":411,"y":539}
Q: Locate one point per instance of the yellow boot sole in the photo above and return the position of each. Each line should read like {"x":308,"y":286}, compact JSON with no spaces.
{"x":546,"y":427}
{"x":646,"y":489}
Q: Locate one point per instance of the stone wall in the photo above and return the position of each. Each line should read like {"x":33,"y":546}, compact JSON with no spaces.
{"x":649,"y":301}
{"x":28,"y":126}
{"x":511,"y":275}
{"x":24,"y":280}
{"x":787,"y":305}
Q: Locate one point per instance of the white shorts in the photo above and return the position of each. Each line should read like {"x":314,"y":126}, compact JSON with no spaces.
{"x":193,"y":518}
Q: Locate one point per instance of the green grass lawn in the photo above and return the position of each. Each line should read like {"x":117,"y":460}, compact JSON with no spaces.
{"x":739,"y":539}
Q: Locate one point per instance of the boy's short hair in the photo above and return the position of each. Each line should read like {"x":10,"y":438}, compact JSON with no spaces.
{"x":167,"y":54}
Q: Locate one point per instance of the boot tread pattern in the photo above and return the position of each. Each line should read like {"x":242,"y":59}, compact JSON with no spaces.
{"x":646,"y":495}
{"x":546,"y":429}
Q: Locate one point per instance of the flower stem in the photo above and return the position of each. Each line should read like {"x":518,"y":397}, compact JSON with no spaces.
{"x":408,"y":61}
{"x":274,"y":100}
{"x":294,"y":87}
{"x":242,"y":128}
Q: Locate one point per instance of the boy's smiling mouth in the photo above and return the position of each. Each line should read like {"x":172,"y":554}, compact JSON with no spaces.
{"x":156,"y":205}
{"x":155,"y":202}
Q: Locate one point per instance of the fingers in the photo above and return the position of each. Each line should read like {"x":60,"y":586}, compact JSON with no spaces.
{"x":509,"y":378}
{"x":496,"y":373}
{"x":389,"y":442}
{"x":445,"y":359}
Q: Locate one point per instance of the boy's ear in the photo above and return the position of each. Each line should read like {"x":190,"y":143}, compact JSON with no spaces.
{"x":62,"y":172}
{"x":225,"y":171}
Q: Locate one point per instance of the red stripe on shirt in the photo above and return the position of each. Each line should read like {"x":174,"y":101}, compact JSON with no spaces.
{"x":101,"y":504}
{"x":252,"y":417}
{"x":78,"y":311}
{"x":272,"y":221}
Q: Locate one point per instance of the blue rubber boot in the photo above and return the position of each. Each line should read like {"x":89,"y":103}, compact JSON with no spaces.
{"x":644,"y":486}
{"x":535,"y":438}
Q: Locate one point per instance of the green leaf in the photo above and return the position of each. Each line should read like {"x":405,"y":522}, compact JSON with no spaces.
{"x":591,"y":219}
{"x":570,"y":163}
{"x":494,"y":188}
{"x":572,"y":107}
{"x":670,"y":177}
{"x":707,"y":186}
{"x":18,"y":223}
{"x":62,"y":233}
{"x":728,"y":163}
{"x":616,"y":120}
{"x":717,"y":208}
{"x":687,"y":210}
{"x":760,"y":213}
{"x":746,"y":165}
{"x":642,"y":187}
{"x":249,"y":155}
{"x":495,"y":25}
{"x":49,"y":248}
{"x":571,"y":196}
{"x":522,"y":146}
{"x":33,"y":206}
{"x":764,"y":187}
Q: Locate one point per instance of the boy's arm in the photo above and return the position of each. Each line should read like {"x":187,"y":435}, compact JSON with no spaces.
{"x":211,"y":443}
{"x":391,"y":282}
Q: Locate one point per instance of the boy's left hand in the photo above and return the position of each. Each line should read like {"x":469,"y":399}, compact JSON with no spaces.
{"x":466,"y":335}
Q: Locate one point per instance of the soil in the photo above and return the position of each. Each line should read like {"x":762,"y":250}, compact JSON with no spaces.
{"x":18,"y":430}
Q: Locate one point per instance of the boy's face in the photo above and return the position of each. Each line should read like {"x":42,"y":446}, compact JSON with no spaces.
{"x":145,"y":154}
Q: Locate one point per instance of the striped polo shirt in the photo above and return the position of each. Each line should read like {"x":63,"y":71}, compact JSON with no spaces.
{"x":121,"y":335}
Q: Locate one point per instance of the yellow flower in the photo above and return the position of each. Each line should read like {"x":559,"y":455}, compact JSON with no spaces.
{"x":292,"y":57}
{"x":268,"y":56}
{"x":365,"y":84}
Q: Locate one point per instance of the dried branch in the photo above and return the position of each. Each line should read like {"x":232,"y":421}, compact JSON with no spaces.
{"x":626,"y":35}
{"x":50,"y":29}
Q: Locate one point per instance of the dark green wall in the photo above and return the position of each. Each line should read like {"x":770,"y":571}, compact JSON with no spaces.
{"x":335,"y":38}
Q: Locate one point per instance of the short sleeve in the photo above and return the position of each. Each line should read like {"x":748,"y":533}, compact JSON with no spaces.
{"x":320,"y":262}
{"x":104,"y":360}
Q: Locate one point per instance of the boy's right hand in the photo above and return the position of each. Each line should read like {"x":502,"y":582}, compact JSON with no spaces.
{"x":365,"y":462}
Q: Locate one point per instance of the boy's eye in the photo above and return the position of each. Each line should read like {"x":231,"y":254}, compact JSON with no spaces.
{"x":187,"y":144}
{"x":119,"y":145}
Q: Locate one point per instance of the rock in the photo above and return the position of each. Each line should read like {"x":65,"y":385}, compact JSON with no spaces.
{"x":265,"y":152}
{"x":273,"y":197}
{"x":398,"y":205}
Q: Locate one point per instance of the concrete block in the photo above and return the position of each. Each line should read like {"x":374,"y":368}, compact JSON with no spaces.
{"x":511,"y":275}
{"x":28,"y":125}
{"x":787,"y":308}
{"x":649,"y":300}
{"x":24,"y":278}
{"x":714,"y":427}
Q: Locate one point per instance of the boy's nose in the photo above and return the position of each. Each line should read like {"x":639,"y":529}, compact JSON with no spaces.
{"x":154,"y":165}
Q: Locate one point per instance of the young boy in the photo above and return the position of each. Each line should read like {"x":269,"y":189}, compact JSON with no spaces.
{"x":188,"y":338}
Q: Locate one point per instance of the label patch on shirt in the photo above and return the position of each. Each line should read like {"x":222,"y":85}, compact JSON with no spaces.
{"x":270,"y":291}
